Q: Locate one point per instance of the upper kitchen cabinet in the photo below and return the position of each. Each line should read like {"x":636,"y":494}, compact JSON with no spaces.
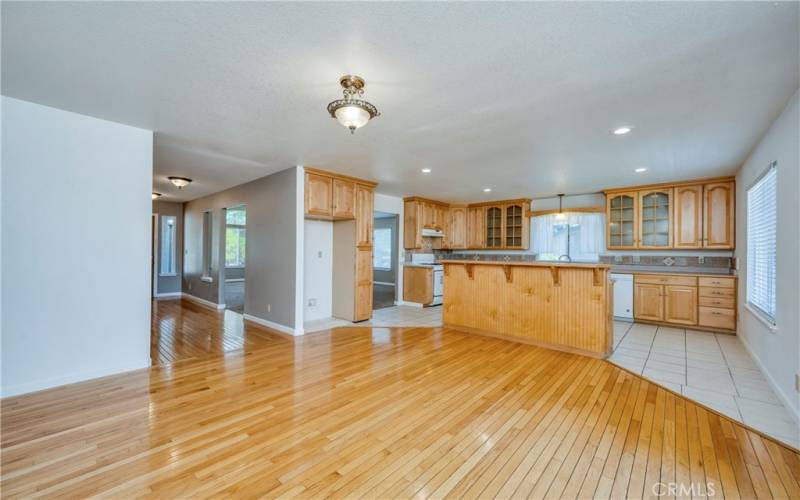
{"x":331,"y":196}
{"x":456,"y":227}
{"x":494,"y":226}
{"x":517,"y":226}
{"x":622,"y":216}
{"x":344,"y":199}
{"x":365,"y":200}
{"x":318,"y":195}
{"x":419,"y":214}
{"x":655,"y":219}
{"x":475,"y":232}
{"x":719,"y":207}
{"x":687,"y":215}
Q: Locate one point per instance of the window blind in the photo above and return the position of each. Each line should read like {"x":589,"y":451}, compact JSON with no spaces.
{"x":761,"y":247}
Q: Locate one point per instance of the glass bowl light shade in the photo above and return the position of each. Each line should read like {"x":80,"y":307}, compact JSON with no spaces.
{"x":179,"y":182}
{"x":352,"y":113}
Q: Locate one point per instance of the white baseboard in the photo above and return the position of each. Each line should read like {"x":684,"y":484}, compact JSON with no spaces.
{"x":202,"y":302}
{"x":383,"y":283}
{"x":72,"y":378}
{"x":787,"y":402}
{"x":275,"y":326}
{"x":409,"y":304}
{"x":171,"y":295}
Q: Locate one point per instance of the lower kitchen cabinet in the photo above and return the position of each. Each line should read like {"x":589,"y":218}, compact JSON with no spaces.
{"x":699,"y":301}
{"x":418,"y":284}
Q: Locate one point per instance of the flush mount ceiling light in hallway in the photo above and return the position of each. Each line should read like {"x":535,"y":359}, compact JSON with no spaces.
{"x":179,"y":182}
{"x":351,"y":112}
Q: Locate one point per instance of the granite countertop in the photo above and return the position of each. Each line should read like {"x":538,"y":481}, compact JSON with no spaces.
{"x":409,"y":264}
{"x":632,"y":269}
{"x":538,"y":263}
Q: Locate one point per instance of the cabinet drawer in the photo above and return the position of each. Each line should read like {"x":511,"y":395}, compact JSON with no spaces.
{"x":724,"y":302}
{"x":655,"y":279}
{"x":716,"y":317}
{"x":707,"y":291}
{"x":717,"y":282}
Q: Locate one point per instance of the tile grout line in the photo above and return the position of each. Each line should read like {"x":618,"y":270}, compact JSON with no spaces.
{"x":730,"y":373}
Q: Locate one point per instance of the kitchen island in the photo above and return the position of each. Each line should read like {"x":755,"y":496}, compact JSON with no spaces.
{"x":565,"y":306}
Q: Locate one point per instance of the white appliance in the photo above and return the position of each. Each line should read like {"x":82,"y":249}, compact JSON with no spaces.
{"x":623,"y":296}
{"x":428,"y":259}
{"x":432,"y":233}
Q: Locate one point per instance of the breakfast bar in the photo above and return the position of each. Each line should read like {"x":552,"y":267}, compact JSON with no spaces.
{"x":560,"y":305}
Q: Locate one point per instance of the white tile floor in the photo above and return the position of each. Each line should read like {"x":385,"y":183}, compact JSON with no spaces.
{"x":713,"y":369}
{"x":388,"y":316}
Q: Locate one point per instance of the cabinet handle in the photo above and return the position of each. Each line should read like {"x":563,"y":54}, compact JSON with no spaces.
{"x":715,"y":313}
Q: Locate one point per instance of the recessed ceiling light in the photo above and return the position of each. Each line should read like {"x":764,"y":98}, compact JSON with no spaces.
{"x":487,"y":190}
{"x":640,"y":170}
{"x":622,"y":131}
{"x":426,"y":170}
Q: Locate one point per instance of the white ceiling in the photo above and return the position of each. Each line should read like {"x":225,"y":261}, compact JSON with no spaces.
{"x":520,"y":97}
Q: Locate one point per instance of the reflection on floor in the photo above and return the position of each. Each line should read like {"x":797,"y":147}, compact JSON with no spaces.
{"x":713,"y":369}
{"x":377,"y":413}
{"x":234,"y":295}
{"x":382,"y":296}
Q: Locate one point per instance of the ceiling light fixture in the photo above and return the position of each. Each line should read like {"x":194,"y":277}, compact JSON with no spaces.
{"x":561,"y":215}
{"x":487,"y":190}
{"x":426,"y":170}
{"x":622,"y":131}
{"x":179,"y":182}
{"x":351,"y":112}
{"x":156,"y":195}
{"x":640,"y":170}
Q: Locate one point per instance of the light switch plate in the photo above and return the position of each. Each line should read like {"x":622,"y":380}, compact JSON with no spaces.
{"x":701,"y":259}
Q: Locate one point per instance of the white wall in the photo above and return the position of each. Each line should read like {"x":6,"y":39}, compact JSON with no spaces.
{"x":777,"y":352}
{"x":75,"y":247}
{"x":318,"y":269}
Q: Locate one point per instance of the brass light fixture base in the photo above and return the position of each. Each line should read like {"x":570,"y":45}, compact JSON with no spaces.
{"x":352,"y":81}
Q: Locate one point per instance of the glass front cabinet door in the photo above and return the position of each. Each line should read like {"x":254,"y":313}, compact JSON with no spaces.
{"x":514,"y":226}
{"x":622,"y":217}
{"x":655,"y":221}
{"x":494,"y":227}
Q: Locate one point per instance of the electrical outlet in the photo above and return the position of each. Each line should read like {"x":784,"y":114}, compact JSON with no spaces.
{"x":312,"y":302}
{"x":797,"y":382}
{"x":269,"y":307}
{"x":701,"y":259}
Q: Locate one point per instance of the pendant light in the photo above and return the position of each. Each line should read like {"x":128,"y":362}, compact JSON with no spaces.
{"x":179,"y":182}
{"x":561,"y":216}
{"x":351,"y":112}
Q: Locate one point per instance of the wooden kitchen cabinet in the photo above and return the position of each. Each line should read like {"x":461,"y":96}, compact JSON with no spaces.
{"x":364,"y":216}
{"x":680,"y":304}
{"x":456,"y":228}
{"x":648,"y":302}
{"x":475,"y":232}
{"x":688,"y":217}
{"x":418,"y":284}
{"x":719,"y":207}
{"x":655,"y":219}
{"x":344,"y":199}
{"x":493,"y":226}
{"x":363,"y":285}
{"x":419,"y":214}
{"x":622,"y":220}
{"x":318,"y":195}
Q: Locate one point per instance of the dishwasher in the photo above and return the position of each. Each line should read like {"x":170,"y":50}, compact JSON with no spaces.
{"x":623,"y":296}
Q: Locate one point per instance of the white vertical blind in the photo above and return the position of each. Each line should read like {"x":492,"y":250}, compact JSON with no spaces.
{"x":761,"y":248}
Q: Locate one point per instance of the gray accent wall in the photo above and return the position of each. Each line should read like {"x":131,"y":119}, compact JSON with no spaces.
{"x":170,"y":284}
{"x":271,"y":245}
{"x":388,"y":276}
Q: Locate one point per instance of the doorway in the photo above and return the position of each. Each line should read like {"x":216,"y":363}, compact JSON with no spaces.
{"x":234,"y":287}
{"x":384,"y":260}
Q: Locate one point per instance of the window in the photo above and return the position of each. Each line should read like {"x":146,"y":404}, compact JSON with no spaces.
{"x":168,"y":232}
{"x":207,"y":245}
{"x":382,"y":255}
{"x":235,"y":237}
{"x":580,"y":236}
{"x":761,"y":249}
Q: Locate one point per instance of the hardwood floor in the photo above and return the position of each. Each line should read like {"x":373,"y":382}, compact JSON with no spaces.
{"x":376,"y":413}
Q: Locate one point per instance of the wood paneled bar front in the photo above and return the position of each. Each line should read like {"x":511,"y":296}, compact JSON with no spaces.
{"x":564,"y":306}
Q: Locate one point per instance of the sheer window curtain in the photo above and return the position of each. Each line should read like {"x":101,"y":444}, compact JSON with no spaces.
{"x":586,"y":236}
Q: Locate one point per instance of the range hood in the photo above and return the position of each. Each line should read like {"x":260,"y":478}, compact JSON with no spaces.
{"x":432,"y":233}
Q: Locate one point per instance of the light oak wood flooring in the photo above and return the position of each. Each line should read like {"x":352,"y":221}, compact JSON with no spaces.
{"x":378,"y":413}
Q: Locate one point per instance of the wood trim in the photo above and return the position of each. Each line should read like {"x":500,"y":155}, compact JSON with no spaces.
{"x":500,"y":203}
{"x":357,"y":180}
{"x":593,"y":210}
{"x":556,"y":275}
{"x":427,"y":200}
{"x":508,"y":271}
{"x":526,"y":264}
{"x":729,"y":178}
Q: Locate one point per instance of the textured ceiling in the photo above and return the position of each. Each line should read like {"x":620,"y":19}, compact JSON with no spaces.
{"x":520,"y":97}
